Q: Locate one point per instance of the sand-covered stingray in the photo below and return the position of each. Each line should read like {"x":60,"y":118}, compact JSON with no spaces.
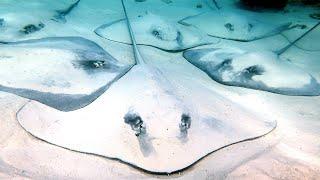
{"x":154,"y":30}
{"x":66,"y":73}
{"x":157,"y":122}
{"x":262,"y":70}
{"x":237,"y":25}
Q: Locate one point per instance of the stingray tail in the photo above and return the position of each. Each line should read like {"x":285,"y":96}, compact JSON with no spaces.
{"x":281,"y":51}
{"x":216,"y":4}
{"x":137,"y":56}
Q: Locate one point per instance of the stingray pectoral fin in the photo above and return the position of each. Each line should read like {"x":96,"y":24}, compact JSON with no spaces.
{"x":119,"y":25}
{"x":277,"y":30}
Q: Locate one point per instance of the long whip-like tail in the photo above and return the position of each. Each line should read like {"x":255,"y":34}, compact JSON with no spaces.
{"x":281,"y":51}
{"x":137,"y":56}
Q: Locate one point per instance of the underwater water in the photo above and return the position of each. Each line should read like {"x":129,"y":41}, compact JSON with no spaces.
{"x":157,"y":84}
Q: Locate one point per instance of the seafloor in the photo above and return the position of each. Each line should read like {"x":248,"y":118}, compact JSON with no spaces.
{"x":62,"y":118}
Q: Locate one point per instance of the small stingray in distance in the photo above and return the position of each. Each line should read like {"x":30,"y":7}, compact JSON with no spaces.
{"x":241,"y":25}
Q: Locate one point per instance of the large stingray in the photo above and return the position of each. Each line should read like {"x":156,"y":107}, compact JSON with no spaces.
{"x":155,"y":31}
{"x":147,"y":120}
{"x":241,"y":25}
{"x":66,"y":73}
{"x":262,"y":70}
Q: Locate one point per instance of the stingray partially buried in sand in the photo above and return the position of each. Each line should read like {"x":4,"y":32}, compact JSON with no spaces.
{"x":261,"y":70}
{"x":154,"y":30}
{"x":153,"y":121}
{"x":243,"y":25}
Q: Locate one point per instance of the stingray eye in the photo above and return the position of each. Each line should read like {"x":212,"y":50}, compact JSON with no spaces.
{"x":136,"y":123}
{"x":226,"y":62}
{"x":41,"y":25}
{"x":185,"y":123}
{"x":165,"y":32}
{"x":225,"y":65}
{"x":250,"y":26}
{"x":255,"y":70}
{"x":251,"y":71}
{"x":179,"y":38}
{"x":93,"y":64}
{"x":98,"y":64}
{"x":229,"y":26}
{"x":1,"y":22}
{"x":156,"y":33}
{"x":90,"y":65}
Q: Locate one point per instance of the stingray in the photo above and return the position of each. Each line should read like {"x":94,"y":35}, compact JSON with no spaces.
{"x":152,"y":118}
{"x":24,"y":19}
{"x":65,"y":73}
{"x":260,"y":70}
{"x":240,"y":25}
{"x":16,"y":19}
{"x":60,"y":15}
{"x":154,"y":31}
